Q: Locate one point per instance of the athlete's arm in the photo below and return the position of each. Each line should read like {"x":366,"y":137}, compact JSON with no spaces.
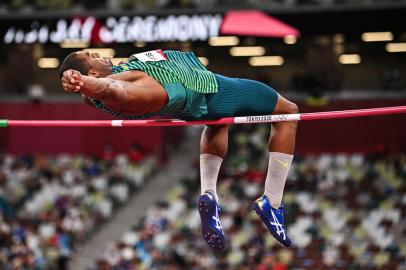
{"x":127,"y":91}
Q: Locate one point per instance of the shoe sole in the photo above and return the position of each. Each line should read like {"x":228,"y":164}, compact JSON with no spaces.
{"x":264,"y":219}
{"x":210,"y":234}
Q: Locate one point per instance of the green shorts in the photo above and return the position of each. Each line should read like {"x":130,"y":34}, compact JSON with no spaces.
{"x":240,"y":97}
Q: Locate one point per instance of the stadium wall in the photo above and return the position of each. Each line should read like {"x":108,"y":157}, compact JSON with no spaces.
{"x":356,"y":135}
{"x":90,"y":141}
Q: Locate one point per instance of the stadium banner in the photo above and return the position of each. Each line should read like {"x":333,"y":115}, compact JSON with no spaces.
{"x":124,"y":29}
{"x":149,"y":28}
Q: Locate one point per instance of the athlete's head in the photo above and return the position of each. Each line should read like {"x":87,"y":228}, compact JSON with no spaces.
{"x":91,"y":64}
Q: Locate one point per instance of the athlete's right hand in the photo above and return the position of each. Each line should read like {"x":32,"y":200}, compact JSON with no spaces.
{"x":71,"y":81}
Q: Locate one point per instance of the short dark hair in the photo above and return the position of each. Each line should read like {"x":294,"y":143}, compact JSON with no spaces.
{"x":72,"y":61}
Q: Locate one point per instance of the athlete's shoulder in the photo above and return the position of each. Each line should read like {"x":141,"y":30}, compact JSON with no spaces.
{"x":174,"y":53}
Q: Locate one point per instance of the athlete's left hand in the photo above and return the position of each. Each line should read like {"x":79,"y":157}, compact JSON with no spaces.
{"x":71,"y":81}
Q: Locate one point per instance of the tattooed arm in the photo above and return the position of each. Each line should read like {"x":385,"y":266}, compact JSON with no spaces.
{"x":128,"y":92}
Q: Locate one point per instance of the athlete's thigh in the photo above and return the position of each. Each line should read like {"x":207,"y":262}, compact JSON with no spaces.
{"x":218,"y":128}
{"x":255,"y":98}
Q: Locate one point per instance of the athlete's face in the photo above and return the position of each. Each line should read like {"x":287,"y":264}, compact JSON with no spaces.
{"x":98,"y":66}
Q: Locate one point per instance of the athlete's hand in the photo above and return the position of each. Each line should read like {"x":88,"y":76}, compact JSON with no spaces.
{"x":71,"y":81}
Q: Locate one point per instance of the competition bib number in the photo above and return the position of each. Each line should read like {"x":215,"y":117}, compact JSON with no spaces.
{"x":150,"y":56}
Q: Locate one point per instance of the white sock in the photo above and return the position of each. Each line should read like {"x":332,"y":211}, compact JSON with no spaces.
{"x":209,"y":171}
{"x":278,"y":168}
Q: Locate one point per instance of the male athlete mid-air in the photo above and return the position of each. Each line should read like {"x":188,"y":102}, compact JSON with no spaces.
{"x":176,"y":84}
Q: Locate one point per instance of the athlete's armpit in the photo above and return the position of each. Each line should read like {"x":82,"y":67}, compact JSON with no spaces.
{"x":127,"y":76}
{"x":87,"y":100}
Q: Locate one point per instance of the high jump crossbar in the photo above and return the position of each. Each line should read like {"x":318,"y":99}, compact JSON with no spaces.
{"x":228,"y":120}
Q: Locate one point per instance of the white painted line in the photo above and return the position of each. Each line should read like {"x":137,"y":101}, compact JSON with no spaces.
{"x":117,"y":123}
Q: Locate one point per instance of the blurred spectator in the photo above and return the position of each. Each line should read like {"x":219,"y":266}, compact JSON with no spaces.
{"x":341,"y":211}
{"x":47,"y":205}
{"x":136,"y":153}
{"x":108,"y":153}
{"x":36,"y":92}
{"x":46,"y":5}
{"x":392,"y":79}
{"x":316,"y":84}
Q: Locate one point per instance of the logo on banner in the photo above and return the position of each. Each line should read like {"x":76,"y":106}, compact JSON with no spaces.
{"x":117,"y":29}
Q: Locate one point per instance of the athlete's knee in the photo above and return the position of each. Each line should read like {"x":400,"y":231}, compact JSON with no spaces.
{"x":287,"y":107}
{"x":292,"y":108}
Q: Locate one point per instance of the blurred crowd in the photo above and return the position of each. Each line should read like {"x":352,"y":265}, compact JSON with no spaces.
{"x":342,"y":212}
{"x":76,"y":5}
{"x":50,"y":204}
{"x":326,"y":2}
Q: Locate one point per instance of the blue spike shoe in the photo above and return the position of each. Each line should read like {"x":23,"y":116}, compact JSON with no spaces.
{"x":212,"y":231}
{"x":273,"y":219}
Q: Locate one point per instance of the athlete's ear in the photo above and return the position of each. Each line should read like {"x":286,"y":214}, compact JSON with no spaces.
{"x":93,"y":73}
